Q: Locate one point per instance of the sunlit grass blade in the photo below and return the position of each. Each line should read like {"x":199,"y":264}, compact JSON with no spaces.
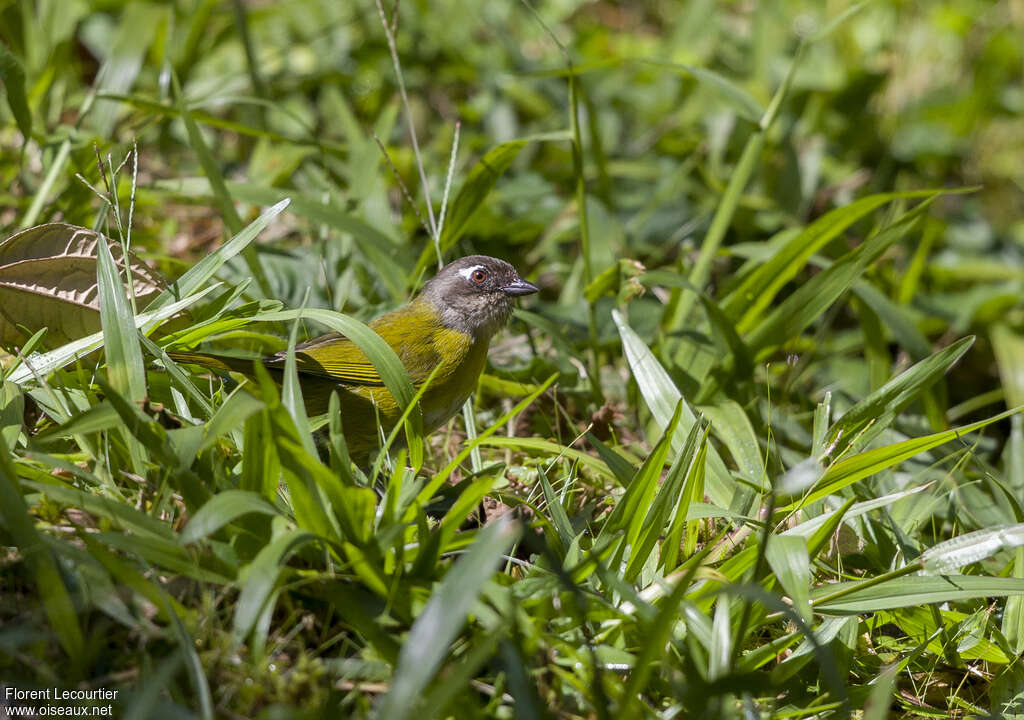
{"x":197,"y":275}
{"x":796,"y":313}
{"x":871,"y":416}
{"x":749,"y":300}
{"x":656,"y":518}
{"x":971,"y":547}
{"x":787,"y":556}
{"x":852,"y":469}
{"x":441,"y":620}
{"x":124,"y":354}
{"x":662,"y":396}
{"x":910,"y":591}
{"x":45,"y":363}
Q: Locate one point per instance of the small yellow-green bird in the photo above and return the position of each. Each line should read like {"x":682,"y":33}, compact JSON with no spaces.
{"x":449,"y":325}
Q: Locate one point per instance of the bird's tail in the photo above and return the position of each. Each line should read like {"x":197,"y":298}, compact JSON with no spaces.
{"x":220,"y":363}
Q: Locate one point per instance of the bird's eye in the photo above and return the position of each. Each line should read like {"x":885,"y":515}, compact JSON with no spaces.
{"x":478,"y":276}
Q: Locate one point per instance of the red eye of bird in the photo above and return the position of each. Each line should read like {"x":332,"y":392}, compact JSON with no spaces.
{"x":479,"y":276}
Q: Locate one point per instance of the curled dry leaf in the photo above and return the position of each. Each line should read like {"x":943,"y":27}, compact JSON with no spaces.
{"x":48,"y":279}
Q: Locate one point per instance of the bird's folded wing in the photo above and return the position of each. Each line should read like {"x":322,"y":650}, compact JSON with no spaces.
{"x":332,"y":357}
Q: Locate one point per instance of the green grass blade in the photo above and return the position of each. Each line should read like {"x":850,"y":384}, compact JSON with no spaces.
{"x":661,"y":396}
{"x":749,"y":300}
{"x":124,"y":354}
{"x":852,"y":469}
{"x":197,"y":275}
{"x":221,"y":509}
{"x":787,"y":557}
{"x":260,"y":576}
{"x":19,"y":524}
{"x":441,"y":620}
{"x":911,"y":591}
{"x":871,"y":416}
{"x":972,"y":547}
{"x":796,"y":313}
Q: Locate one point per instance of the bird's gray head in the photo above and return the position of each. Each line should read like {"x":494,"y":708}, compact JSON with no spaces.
{"x":474,"y":294}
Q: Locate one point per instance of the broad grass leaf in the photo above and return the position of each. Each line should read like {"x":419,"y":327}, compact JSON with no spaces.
{"x":971,"y":547}
{"x":1013,"y":616}
{"x":684,"y":525}
{"x":729,"y":422}
{"x":445,"y":614}
{"x":787,"y":556}
{"x":45,"y":363}
{"x":628,"y":513}
{"x":12,"y":412}
{"x":871,"y":416}
{"x":910,"y":591}
{"x":291,"y":391}
{"x":126,"y":369}
{"x":658,"y":515}
{"x":19,"y":525}
{"x":222,"y":509}
{"x":845,"y":472}
{"x":48,"y":278}
{"x":232,"y":414}
{"x":620,"y":466}
{"x":559,"y":518}
{"x":720,"y":650}
{"x":755,"y":293}
{"x":662,"y":396}
{"x":798,"y":311}
{"x":120,"y":339}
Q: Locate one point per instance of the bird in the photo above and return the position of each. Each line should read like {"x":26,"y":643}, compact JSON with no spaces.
{"x":448,"y":326}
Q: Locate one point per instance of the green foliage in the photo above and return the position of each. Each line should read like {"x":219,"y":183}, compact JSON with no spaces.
{"x":755,"y":450}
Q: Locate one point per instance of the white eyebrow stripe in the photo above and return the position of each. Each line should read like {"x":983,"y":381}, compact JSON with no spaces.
{"x":467,"y":272}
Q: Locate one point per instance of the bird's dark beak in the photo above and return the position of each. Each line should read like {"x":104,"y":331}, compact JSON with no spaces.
{"x":520,"y":287}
